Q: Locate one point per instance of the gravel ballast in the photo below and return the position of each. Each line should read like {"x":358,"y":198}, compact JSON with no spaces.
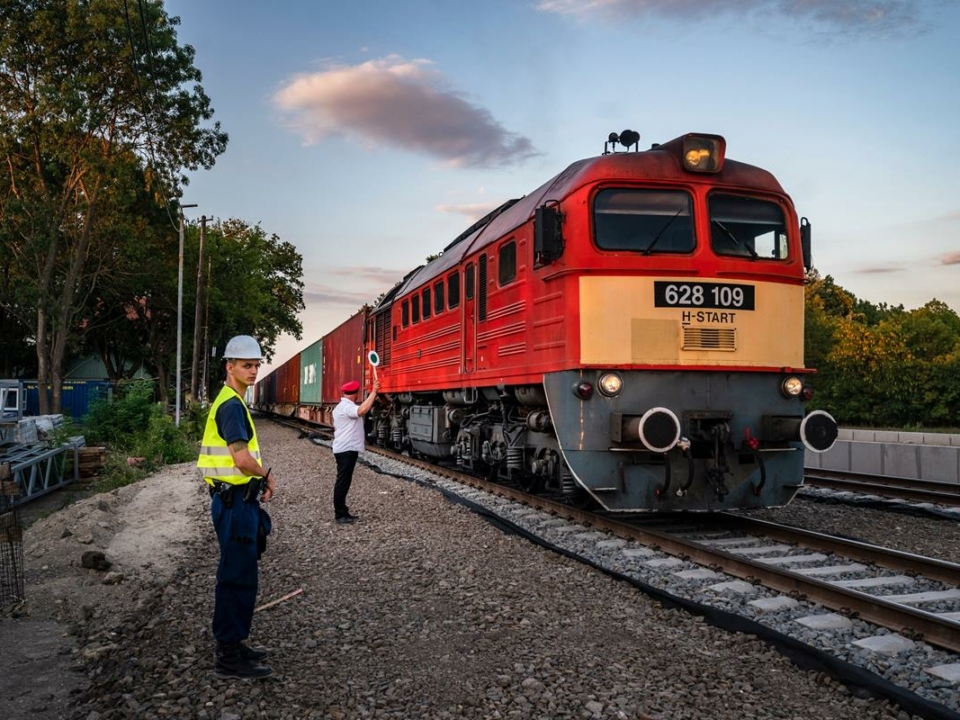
{"x":422,"y":609}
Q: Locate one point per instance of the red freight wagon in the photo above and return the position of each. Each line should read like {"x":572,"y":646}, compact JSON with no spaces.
{"x":287,"y":386}
{"x":344,"y":359}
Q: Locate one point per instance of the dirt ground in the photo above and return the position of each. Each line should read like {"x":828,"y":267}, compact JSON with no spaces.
{"x":137,"y":528}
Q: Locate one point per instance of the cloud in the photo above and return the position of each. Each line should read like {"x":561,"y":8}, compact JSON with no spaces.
{"x":474,"y":211}
{"x":399,"y":103}
{"x":878,"y":270}
{"x":870,"y":17}
{"x":951,"y":258}
{"x":365,"y":284}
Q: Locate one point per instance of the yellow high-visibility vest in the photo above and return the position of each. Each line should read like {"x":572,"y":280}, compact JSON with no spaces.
{"x":215,"y":461}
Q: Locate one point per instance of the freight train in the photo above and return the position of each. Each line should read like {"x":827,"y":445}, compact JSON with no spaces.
{"x":630,"y":332}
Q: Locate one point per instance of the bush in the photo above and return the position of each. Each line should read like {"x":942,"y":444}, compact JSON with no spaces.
{"x":134,"y":425}
{"x":117,"y":422}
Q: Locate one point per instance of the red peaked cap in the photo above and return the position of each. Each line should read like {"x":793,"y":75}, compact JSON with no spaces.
{"x":350,"y":387}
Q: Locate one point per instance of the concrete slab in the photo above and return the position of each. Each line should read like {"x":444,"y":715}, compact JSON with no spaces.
{"x":698,"y":574}
{"x":939,"y":464}
{"x":730,"y":542}
{"x":866,"y":457}
{"x":924,"y":597}
{"x":889,"y":644}
{"x":664,"y":563}
{"x":937,"y":439}
{"x":593,"y":535}
{"x":615,"y":543}
{"x":876,"y":582}
{"x":793,"y":559}
{"x":837,"y":457}
{"x":760,"y":550}
{"x":736,"y":587}
{"x":812,"y":459}
{"x":828,"y":621}
{"x":863,"y":435}
{"x":567,"y":529}
{"x":950,"y":673}
{"x":774,"y":604}
{"x":824,"y":570}
{"x":639,"y":552}
{"x":901,"y":460}
{"x":887,"y":436}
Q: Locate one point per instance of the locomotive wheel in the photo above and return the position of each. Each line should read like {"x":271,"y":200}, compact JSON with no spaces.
{"x":531,"y":483}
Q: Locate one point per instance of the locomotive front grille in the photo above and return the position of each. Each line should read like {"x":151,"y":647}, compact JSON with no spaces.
{"x":724,"y":339}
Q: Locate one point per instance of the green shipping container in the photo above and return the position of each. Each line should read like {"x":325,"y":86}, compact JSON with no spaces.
{"x":311,"y":365}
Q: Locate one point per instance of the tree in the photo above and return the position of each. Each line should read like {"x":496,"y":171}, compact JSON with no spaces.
{"x":93,"y":109}
{"x":256,"y":286}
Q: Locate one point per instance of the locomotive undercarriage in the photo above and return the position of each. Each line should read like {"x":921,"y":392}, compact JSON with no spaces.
{"x":487,"y":432}
{"x":628,"y":453}
{"x":683,"y":440}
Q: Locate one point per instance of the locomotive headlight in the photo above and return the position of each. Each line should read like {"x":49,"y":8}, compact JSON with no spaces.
{"x":703,"y":153}
{"x":791,"y":387}
{"x":611,"y":384}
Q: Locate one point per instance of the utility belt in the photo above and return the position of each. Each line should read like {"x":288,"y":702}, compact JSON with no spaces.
{"x":248,"y":492}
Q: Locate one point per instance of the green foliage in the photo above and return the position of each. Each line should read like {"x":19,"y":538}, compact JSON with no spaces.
{"x":117,"y":422}
{"x":135,"y":426}
{"x":882,"y":366}
{"x":102,"y":113}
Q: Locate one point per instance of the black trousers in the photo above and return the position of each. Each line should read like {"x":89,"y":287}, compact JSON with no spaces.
{"x":346,"y":462}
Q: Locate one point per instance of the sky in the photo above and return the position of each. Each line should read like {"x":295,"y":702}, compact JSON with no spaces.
{"x":369,"y":134}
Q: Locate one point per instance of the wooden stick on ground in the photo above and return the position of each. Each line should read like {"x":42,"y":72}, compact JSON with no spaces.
{"x":279,"y":600}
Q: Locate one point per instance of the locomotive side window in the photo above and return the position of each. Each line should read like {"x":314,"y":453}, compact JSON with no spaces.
{"x":645,"y":221}
{"x":747,"y":227}
{"x":415,"y":303}
{"x":426,"y":303}
{"x":453,"y":290}
{"x":470,"y":282}
{"x":405,"y":313}
{"x":507,"y":263}
{"x":438,"y":298}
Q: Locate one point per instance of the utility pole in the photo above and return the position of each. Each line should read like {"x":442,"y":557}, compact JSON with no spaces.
{"x":180,"y":315}
{"x":206,"y":337}
{"x":195,"y":365}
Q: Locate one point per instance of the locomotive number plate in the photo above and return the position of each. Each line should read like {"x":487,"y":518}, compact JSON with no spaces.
{"x":703,"y":295}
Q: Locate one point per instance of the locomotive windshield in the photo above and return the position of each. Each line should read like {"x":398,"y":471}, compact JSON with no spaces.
{"x":643,"y":220}
{"x":747,"y":227}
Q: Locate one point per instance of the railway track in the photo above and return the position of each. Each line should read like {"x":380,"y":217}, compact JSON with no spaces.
{"x":924,"y":491}
{"x":783,"y":558}
{"x":858,"y":603}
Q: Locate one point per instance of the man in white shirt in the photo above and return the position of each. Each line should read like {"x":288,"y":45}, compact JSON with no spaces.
{"x":348,"y":441}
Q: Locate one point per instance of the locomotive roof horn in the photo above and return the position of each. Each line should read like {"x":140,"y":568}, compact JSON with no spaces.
{"x":626,"y":138}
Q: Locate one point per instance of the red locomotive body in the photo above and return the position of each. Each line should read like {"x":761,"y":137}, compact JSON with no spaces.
{"x":632,"y":331}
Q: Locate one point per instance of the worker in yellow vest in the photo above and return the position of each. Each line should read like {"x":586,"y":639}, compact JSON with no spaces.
{"x":230,"y":463}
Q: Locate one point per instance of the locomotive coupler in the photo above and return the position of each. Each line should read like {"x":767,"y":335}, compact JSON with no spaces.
{"x":717,"y":473}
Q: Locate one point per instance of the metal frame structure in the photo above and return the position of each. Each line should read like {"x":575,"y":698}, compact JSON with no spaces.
{"x":38,"y":470}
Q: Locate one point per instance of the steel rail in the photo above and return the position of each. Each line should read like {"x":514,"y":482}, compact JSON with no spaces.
{"x":933,"y":568}
{"x":891,"y":487}
{"x":911,"y":622}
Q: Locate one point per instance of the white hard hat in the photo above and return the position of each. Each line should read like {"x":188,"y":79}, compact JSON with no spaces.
{"x":243,"y":347}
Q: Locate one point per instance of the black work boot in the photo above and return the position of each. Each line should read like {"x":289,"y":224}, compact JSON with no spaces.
{"x":253,"y":653}
{"x":231,"y":663}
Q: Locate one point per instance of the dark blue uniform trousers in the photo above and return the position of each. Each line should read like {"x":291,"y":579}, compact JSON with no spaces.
{"x":237,"y":574}
{"x":346,"y":462}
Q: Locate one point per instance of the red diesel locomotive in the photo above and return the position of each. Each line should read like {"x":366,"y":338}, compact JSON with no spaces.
{"x":632,"y":330}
